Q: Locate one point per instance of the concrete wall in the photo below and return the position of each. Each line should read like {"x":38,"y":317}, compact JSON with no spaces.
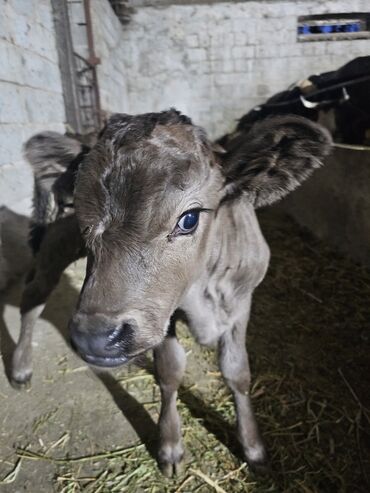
{"x":112,"y":72}
{"x":31,"y":92}
{"x":335,"y":203}
{"x":30,"y":82}
{"x":216,"y":60}
{"x":108,"y":42}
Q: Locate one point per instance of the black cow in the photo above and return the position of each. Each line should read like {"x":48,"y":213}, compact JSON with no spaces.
{"x":340,"y":100}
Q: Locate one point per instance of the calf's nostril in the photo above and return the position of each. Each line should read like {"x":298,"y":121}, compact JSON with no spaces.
{"x":121,"y":335}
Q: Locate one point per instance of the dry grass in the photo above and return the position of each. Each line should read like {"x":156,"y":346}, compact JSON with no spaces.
{"x":309,"y":349}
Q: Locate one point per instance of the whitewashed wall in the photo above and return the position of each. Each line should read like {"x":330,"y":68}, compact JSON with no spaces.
{"x":31,"y":96}
{"x":108,"y":42}
{"x":108,"y":35}
{"x":215,"y":60}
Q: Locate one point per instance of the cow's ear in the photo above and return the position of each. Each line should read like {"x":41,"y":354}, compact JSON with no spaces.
{"x":273,"y":158}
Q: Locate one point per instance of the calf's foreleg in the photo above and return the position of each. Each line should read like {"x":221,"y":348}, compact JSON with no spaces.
{"x":170,"y":361}
{"x":33,"y":301}
{"x":61,"y":246}
{"x":234,"y":365}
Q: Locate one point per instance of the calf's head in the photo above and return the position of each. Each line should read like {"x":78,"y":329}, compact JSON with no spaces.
{"x":147,"y":198}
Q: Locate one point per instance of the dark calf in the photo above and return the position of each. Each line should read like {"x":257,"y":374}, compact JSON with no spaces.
{"x":339,"y":100}
{"x":168,"y":223}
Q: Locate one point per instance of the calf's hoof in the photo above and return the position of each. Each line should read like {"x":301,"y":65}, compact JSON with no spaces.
{"x":171,"y":460}
{"x":259,"y":468}
{"x":169,"y":469}
{"x":257,"y":461}
{"x":21,"y":381}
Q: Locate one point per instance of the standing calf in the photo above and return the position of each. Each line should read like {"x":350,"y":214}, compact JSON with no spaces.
{"x":167,"y":222}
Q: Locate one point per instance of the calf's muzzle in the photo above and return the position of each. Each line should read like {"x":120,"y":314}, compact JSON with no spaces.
{"x":101,"y":341}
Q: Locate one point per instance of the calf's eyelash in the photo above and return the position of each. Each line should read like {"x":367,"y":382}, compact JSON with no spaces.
{"x":195,"y":209}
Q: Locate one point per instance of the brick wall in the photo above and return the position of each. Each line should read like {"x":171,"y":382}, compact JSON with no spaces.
{"x":30,"y":89}
{"x":216,"y":60}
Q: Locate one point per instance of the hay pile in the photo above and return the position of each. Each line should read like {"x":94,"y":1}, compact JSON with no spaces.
{"x":309,"y":350}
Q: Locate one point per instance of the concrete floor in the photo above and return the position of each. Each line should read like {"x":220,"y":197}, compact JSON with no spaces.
{"x":66,"y":397}
{"x":70,"y":410}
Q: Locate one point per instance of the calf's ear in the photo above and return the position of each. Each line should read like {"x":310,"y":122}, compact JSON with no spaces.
{"x":273,"y":158}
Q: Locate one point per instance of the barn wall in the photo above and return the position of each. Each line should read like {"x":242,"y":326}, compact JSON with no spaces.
{"x":30,"y":82}
{"x":108,"y":41}
{"x":31,"y":92}
{"x":108,"y":36}
{"x":335,"y":203}
{"x":216,"y":60}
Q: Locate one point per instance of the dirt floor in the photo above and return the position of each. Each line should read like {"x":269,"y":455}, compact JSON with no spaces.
{"x":76,"y":430}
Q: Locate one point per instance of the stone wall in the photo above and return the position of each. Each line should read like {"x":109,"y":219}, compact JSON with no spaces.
{"x":216,"y":60}
{"x":30,"y":89}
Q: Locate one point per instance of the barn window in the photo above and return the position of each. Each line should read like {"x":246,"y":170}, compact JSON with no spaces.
{"x":333,"y":27}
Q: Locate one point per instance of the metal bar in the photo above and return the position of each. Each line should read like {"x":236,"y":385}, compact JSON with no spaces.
{"x":351,"y":146}
{"x":77,"y":55}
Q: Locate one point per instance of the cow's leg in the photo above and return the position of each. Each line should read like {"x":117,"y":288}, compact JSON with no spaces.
{"x":21,"y":370}
{"x":170,"y":361}
{"x":234,"y":365}
{"x":61,"y":246}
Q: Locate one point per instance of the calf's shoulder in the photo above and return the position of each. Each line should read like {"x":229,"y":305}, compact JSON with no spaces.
{"x":236,"y":263}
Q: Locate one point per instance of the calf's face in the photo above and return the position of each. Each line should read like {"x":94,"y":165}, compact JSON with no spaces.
{"x":146,"y":200}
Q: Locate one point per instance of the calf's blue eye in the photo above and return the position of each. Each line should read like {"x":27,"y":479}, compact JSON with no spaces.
{"x":188,"y":222}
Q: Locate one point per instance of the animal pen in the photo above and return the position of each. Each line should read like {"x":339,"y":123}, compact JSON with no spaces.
{"x":67,"y":67}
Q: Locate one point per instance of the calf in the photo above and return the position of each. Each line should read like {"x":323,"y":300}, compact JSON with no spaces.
{"x":168,"y":223}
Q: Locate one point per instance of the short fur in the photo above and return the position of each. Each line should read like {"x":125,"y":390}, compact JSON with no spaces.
{"x":142,"y":176}
{"x":270,"y":176}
